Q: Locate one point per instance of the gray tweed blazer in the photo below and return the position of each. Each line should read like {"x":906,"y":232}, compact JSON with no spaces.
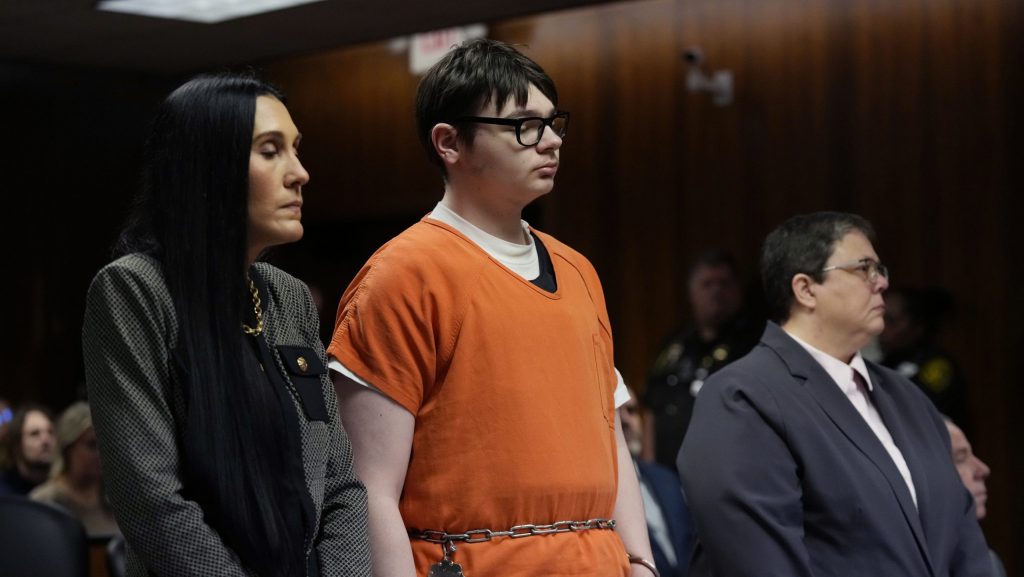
{"x":138,"y":410}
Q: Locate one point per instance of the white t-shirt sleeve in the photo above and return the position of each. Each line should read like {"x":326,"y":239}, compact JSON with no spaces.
{"x":336,"y":366}
{"x":621,"y":392}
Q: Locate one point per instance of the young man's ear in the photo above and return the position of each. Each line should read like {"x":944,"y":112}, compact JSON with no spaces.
{"x":445,"y":138}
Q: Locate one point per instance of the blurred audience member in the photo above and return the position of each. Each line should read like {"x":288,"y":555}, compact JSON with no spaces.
{"x":718,"y":335}
{"x":6,"y":414}
{"x":27,"y":450}
{"x":668,"y":520}
{"x":910,"y":345}
{"x":75,"y":475}
{"x":973,"y":472}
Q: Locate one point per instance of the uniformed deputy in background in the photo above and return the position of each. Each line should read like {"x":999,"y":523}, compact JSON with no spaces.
{"x":717,"y":335}
{"x":910,"y":345}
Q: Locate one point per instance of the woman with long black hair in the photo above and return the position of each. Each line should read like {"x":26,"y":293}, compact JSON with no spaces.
{"x":222,"y":449}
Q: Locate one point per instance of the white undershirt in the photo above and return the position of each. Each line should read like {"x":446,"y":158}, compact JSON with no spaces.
{"x":521,"y":259}
{"x":842,"y":374}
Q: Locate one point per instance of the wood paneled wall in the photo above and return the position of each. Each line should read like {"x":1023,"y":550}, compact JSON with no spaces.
{"x":902,"y":112}
{"x":71,"y":164}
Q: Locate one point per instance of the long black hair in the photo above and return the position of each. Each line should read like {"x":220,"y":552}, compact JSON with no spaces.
{"x":191,"y":215}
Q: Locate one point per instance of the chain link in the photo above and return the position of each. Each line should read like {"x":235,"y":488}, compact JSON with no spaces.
{"x":517,"y":532}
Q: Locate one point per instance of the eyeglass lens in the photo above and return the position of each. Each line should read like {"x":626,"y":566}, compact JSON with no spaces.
{"x":531,"y":130}
{"x":878,"y":270}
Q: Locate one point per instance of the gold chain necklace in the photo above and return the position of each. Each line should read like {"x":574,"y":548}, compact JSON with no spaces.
{"x":256,"y":309}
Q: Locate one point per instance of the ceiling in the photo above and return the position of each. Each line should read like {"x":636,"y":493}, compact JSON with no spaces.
{"x":73,"y":32}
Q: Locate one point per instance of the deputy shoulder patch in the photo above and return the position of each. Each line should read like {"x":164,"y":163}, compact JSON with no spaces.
{"x":669,"y":357}
{"x":936,"y":374}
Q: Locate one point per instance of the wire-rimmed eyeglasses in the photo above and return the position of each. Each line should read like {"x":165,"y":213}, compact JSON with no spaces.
{"x":529,"y":129}
{"x":869,"y":268}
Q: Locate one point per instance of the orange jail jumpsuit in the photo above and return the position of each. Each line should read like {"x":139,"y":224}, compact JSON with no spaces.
{"x":512,"y":389}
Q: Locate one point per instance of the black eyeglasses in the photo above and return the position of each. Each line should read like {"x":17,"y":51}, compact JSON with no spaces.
{"x":870,"y":269}
{"x":529,"y":130}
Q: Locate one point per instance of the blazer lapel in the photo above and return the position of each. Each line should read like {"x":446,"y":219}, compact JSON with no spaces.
{"x":845,"y":417}
{"x":895,"y":422}
{"x":270,"y":336}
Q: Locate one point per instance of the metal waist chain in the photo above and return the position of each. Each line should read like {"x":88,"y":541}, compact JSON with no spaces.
{"x":517,"y":532}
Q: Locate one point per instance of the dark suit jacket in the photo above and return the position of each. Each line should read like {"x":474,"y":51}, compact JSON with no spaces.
{"x":667,"y":491}
{"x":784,"y":477}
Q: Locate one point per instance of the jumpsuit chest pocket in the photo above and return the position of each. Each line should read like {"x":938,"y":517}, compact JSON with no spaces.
{"x":305,"y":370}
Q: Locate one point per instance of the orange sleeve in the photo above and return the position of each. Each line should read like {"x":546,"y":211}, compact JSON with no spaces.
{"x":385,"y":331}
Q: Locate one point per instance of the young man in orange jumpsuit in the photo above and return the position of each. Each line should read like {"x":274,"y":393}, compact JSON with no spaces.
{"x":473,"y":356}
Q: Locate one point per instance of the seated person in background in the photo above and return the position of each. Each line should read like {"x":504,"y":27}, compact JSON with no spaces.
{"x":910,"y":345}
{"x":75,"y":475}
{"x":6,"y":414}
{"x":973,"y":472}
{"x":27,"y":450}
{"x":668,"y":520}
{"x":718,"y":335}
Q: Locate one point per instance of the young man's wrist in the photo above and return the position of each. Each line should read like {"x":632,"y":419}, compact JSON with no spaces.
{"x":645,"y":563}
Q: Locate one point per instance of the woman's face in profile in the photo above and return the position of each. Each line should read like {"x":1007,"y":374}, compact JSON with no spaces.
{"x":276,"y":178}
